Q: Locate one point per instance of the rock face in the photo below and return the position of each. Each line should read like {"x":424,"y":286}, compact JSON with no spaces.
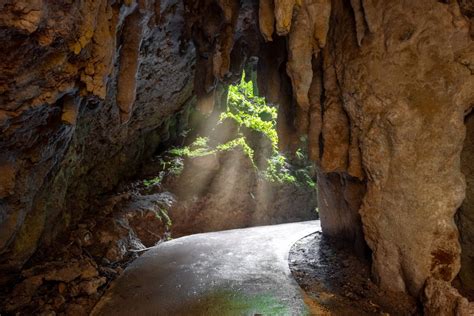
{"x":224,"y":190}
{"x":340,"y":198}
{"x":382,"y":91}
{"x":378,"y":90}
{"x":388,"y":113}
{"x":405,"y":97}
{"x":87,"y":90}
{"x":70,"y":276}
{"x":441,"y":299}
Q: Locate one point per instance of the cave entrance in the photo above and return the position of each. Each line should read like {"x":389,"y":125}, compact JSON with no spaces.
{"x":228,"y":171}
{"x":225,"y":172}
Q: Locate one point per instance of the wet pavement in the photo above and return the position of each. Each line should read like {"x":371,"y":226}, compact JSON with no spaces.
{"x":235,"y":272}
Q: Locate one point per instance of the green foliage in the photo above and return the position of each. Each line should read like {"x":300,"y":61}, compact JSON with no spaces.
{"x":251,"y":111}
{"x":200,"y":142}
{"x":198,"y":148}
{"x":173,"y":167}
{"x":168,"y":167}
{"x":237,"y":142}
{"x":162,"y":215}
{"x":154,"y":181}
{"x":278,"y":170}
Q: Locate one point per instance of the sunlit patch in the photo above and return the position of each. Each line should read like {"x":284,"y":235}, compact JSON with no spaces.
{"x":226,"y":303}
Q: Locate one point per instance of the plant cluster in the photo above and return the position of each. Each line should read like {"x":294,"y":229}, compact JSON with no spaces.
{"x":251,"y":112}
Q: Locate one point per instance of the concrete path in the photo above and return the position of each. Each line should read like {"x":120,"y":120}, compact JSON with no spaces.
{"x":235,"y":272}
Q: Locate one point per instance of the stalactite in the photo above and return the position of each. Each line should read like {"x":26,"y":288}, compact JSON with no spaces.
{"x":359,"y":20}
{"x":284,"y":15}
{"x":129,"y":62}
{"x":315,"y":113}
{"x":307,"y":36}
{"x":266,"y":17}
{"x":335,"y":128}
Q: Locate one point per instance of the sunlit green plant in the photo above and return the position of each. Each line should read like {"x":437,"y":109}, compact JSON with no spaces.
{"x":237,"y":142}
{"x":153,"y":181}
{"x":198,"y":148}
{"x":251,"y":111}
{"x":162,"y":215}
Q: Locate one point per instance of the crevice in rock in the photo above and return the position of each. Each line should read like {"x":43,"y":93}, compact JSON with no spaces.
{"x":465,"y":216}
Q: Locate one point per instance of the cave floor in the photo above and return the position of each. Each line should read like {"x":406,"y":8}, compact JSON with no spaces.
{"x":235,"y":272}
{"x":338,"y":280}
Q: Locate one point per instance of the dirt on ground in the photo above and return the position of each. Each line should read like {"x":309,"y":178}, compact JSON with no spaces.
{"x":337,"y":282}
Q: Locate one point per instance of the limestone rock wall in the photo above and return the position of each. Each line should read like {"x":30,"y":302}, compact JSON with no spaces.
{"x":340,"y":198}
{"x":87,"y":90}
{"x":381,"y":89}
{"x":406,"y":96}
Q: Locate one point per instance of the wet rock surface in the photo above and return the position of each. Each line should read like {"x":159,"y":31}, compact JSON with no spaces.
{"x":337,"y":281}
{"x":235,"y":272}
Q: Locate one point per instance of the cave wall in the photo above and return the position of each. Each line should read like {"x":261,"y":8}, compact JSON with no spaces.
{"x":405,"y":89}
{"x":88,"y":89}
{"x":340,"y":198}
{"x":381,"y":91}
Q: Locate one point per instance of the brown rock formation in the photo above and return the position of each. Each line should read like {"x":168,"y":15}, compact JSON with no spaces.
{"x":441,"y":299}
{"x":391,"y":79}
{"x":398,"y":90}
{"x":70,"y":75}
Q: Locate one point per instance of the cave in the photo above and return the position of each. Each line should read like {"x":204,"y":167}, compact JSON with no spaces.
{"x":367,"y":103}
